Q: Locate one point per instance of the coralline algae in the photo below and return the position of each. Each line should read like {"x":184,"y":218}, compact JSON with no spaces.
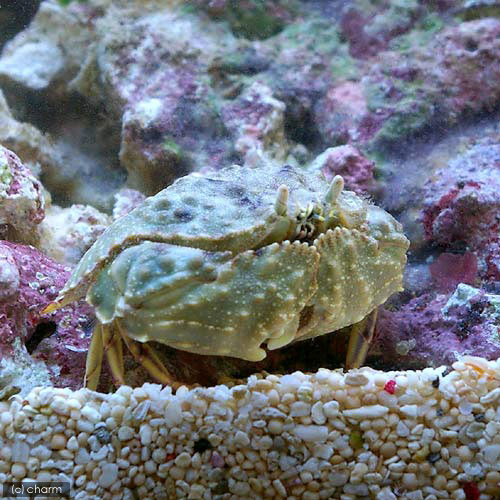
{"x":29,"y":281}
{"x":438,"y":328}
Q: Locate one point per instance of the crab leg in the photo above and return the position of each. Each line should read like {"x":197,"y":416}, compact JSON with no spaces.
{"x":112,"y":344}
{"x":53,"y":306}
{"x":147,"y":357}
{"x":94,"y":359}
{"x":360,"y":338}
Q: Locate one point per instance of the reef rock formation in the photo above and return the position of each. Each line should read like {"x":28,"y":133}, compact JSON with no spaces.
{"x":21,"y":199}
{"x":34,"y":350}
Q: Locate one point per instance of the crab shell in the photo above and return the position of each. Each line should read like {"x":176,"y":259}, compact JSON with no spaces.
{"x":209,"y":265}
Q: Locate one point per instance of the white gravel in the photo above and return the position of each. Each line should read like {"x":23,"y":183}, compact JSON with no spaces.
{"x":432,"y":435}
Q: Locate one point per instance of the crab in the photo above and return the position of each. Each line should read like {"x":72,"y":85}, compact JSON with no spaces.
{"x":229,"y":262}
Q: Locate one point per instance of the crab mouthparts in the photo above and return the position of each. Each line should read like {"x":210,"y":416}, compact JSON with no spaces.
{"x":309,"y":221}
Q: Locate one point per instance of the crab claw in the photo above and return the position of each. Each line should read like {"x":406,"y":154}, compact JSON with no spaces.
{"x":334,"y":190}
{"x":280,"y":206}
{"x":53,"y":306}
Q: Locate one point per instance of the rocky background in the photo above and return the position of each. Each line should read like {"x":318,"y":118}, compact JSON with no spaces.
{"x":103,"y":103}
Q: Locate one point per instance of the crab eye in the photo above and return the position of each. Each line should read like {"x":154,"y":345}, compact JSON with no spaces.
{"x":334,"y":190}
{"x":280,"y":205}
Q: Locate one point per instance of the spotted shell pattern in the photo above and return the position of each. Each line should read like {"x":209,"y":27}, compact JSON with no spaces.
{"x":225,"y":263}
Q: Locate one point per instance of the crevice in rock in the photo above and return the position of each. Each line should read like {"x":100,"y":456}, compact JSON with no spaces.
{"x":15,"y":16}
{"x":42,"y":331}
{"x":300,"y":126}
{"x":86,"y":166}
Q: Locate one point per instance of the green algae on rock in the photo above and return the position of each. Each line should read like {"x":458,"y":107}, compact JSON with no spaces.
{"x":252,"y":19}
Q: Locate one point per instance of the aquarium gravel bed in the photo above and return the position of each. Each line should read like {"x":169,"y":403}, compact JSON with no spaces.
{"x":366,"y":434}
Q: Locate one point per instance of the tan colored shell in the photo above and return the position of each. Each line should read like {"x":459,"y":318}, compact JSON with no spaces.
{"x":247,"y":257}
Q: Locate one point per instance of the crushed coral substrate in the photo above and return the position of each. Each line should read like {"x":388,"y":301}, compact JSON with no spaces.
{"x":410,"y":435}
